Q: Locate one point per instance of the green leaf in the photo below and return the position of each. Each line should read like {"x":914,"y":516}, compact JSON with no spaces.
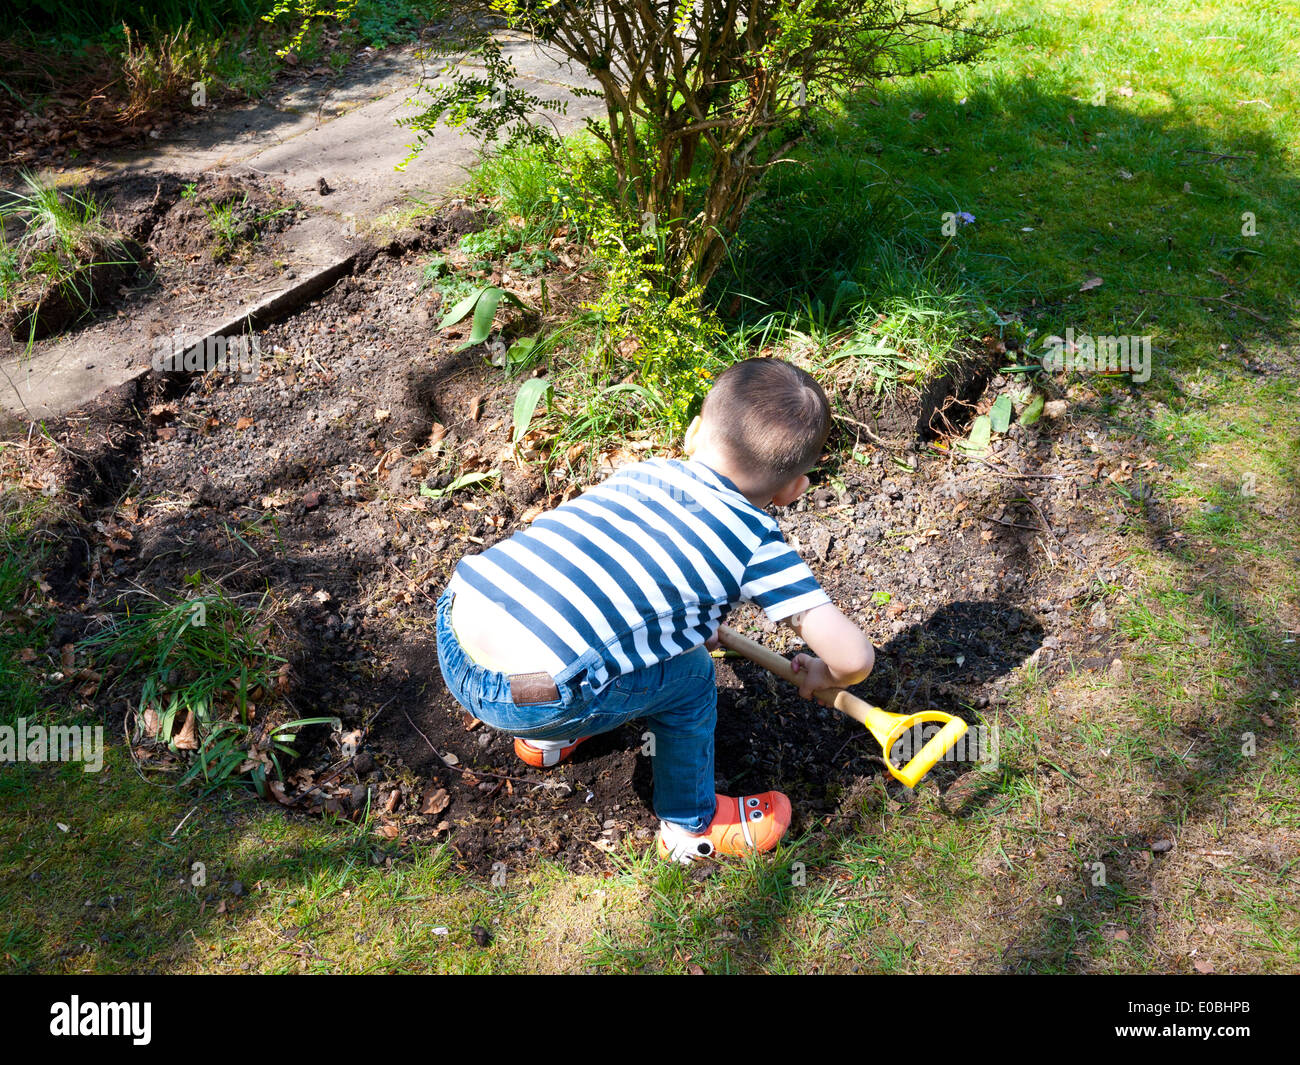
{"x":484,"y":312}
{"x":530,"y":394}
{"x":980,"y":431}
{"x":463,"y":307}
{"x":486,"y":302}
{"x":1032,"y":412}
{"x":1000,"y":415}
{"x":520,"y":351}
{"x":463,"y":481}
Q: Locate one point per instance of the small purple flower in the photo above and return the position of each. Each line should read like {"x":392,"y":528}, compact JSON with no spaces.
{"x":965,"y":217}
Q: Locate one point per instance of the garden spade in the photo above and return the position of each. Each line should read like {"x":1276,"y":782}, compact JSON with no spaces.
{"x":886,"y":727}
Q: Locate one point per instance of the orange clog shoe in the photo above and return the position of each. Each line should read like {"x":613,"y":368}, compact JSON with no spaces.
{"x":740,"y":824}
{"x":543,"y":753}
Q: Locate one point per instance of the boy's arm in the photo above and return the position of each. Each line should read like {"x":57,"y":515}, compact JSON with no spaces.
{"x":844,"y":653}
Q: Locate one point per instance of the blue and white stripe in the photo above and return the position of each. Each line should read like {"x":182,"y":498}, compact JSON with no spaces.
{"x":642,"y":567}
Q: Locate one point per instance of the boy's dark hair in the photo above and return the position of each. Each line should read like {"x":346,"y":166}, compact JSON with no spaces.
{"x":769,"y":413}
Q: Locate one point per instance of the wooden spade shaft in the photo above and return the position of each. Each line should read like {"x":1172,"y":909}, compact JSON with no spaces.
{"x":838,"y":698}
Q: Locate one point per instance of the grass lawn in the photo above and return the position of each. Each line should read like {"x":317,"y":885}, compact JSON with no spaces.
{"x":1153,"y":145}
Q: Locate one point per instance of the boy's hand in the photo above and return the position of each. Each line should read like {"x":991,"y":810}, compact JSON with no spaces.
{"x":844,"y":654}
{"x":813,"y":675}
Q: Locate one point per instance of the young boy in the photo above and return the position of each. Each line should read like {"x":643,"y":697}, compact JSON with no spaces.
{"x":605,"y":608}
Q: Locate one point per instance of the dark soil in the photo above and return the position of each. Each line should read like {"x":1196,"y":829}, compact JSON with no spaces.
{"x":307,"y":482}
{"x":257,"y":210}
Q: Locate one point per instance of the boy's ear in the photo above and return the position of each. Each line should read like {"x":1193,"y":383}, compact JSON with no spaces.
{"x":789,"y":492}
{"x":692,"y":440}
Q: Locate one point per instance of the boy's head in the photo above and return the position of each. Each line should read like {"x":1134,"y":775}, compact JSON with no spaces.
{"x":768,"y":419}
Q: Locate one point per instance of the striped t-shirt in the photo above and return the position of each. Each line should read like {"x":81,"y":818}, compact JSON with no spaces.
{"x":641,"y":568}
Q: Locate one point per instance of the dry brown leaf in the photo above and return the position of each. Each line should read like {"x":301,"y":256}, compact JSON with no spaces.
{"x":435,"y":801}
{"x":188,"y":739}
{"x":476,"y":407}
{"x":242,"y":424}
{"x":350,"y":743}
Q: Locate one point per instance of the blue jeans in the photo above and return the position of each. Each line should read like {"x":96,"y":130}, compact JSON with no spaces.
{"x":679,"y":699}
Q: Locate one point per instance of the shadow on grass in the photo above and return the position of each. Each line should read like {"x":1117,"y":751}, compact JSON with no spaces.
{"x":109,"y":873}
{"x":1243,"y":744}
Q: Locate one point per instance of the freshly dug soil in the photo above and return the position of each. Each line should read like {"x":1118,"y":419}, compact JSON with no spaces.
{"x":306,"y":483}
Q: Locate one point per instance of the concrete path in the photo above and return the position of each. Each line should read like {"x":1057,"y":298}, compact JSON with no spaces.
{"x":344,"y":130}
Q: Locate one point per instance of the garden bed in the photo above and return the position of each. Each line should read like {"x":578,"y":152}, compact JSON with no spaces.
{"x":306,"y":484}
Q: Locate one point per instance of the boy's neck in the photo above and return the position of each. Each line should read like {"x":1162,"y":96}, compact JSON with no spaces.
{"x":718,"y":464}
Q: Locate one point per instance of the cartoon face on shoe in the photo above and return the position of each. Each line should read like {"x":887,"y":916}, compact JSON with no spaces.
{"x":740,"y":824}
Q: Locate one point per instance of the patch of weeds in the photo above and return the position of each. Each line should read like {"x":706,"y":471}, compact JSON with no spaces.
{"x":530,"y":261}
{"x":524,"y":182}
{"x":208,"y":687}
{"x":452,"y":284}
{"x":383,"y":23}
{"x":235,"y":224}
{"x":24,"y":623}
{"x":53,"y":272}
{"x":490,"y":245}
{"x":226,"y":231}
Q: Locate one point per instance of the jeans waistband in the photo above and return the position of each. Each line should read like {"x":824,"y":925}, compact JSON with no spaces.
{"x":494,"y":684}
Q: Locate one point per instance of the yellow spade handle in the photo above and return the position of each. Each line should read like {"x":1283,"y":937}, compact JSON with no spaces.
{"x":935,"y":748}
{"x":886,"y":727}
